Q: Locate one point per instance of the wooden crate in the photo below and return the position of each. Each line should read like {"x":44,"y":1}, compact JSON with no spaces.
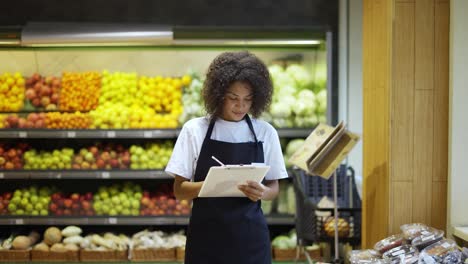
{"x":14,"y":255}
{"x":50,"y":256}
{"x":180,"y":254}
{"x":153,"y":254}
{"x":103,"y":256}
{"x":290,"y":254}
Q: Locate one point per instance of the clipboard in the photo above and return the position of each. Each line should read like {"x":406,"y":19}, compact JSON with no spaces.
{"x":222,"y":181}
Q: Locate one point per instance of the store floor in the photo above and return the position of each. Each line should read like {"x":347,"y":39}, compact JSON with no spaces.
{"x":274,"y":262}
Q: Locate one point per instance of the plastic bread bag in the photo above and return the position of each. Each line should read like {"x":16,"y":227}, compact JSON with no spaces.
{"x":444,"y":251}
{"x":405,"y":254}
{"x":388,"y":243}
{"x":410,"y":231}
{"x":364,"y":256}
{"x":465,"y":255}
{"x":427,"y":237}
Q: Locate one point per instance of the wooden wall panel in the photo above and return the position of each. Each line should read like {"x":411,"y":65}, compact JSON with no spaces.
{"x":402,"y":93}
{"x":405,"y":114}
{"x":439,"y":205}
{"x":376,"y":85}
{"x":424,"y":37}
{"x":422,"y":173}
{"x":401,"y":205}
{"x":441,"y":94}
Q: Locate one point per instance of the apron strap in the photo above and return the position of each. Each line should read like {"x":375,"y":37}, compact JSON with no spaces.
{"x":249,"y":122}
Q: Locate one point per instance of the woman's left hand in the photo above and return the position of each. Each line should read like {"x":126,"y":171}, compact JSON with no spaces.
{"x":253,"y":190}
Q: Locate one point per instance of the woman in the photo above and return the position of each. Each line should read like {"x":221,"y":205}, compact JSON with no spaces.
{"x":229,"y":229}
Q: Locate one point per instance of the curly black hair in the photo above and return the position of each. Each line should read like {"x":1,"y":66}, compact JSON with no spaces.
{"x":230,"y":67}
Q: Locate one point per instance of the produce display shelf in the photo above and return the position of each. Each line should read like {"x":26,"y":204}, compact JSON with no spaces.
{"x":84,"y":174}
{"x":117,"y":220}
{"x":90,"y":133}
{"x":280,"y":219}
{"x":94,"y":220}
{"x":294,"y":132}
{"x":123,"y":133}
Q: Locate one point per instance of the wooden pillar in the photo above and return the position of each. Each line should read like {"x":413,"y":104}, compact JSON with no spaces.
{"x":405,"y":138}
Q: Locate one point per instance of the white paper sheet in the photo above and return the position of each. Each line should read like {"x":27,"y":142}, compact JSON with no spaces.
{"x":222,"y":181}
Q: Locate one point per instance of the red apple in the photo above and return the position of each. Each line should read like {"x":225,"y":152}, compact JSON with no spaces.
{"x":100,"y":163}
{"x":86,"y":205}
{"x":67,"y":203}
{"x":9,"y":165}
{"x":30,"y":94}
{"x":75,"y":197}
{"x":105,"y":156}
{"x":7,"y":196}
{"x":94,"y":150}
{"x":53,"y":207}
{"x":89,"y":196}
{"x":36,"y":102}
{"x":114,"y":163}
{"x":145,"y":201}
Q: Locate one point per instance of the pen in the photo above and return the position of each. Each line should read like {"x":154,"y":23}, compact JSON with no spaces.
{"x":213,"y":157}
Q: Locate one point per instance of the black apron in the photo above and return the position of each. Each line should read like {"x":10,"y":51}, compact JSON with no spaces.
{"x":228,"y":229}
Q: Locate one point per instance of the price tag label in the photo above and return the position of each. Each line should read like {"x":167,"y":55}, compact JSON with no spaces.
{"x":111,"y":134}
{"x":19,"y":221}
{"x":112,"y":220}
{"x":399,"y":252}
{"x":105,"y":175}
{"x":71,"y":134}
{"x":2,"y":175}
{"x":23,"y":134}
{"x":148,"y":134}
{"x":58,"y":176}
{"x":427,"y":238}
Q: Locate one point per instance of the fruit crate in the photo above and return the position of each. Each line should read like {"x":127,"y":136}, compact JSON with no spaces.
{"x":290,"y":254}
{"x":153,"y":254}
{"x":103,"y":256}
{"x":12,"y":255}
{"x":315,"y":224}
{"x":180,"y":254}
{"x":50,"y":256}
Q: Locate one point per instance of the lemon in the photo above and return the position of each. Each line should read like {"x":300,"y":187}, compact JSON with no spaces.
{"x":186,"y":79}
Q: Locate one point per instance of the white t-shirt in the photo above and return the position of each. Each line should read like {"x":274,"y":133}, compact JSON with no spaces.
{"x":189,"y":142}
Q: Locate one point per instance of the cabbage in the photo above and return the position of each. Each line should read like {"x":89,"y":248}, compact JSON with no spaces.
{"x":322,"y":119}
{"x":303,"y":108}
{"x":280,"y":78}
{"x":293,"y":145}
{"x":281,"y":242}
{"x":306,"y":95}
{"x":285,"y":241}
{"x":321,"y":99}
{"x":282,"y":107}
{"x":319,"y":77}
{"x":306,"y":121}
{"x":286,"y":90}
{"x":280,"y":110}
{"x":275,"y":70}
{"x":300,"y":75}
{"x":282,"y":122}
